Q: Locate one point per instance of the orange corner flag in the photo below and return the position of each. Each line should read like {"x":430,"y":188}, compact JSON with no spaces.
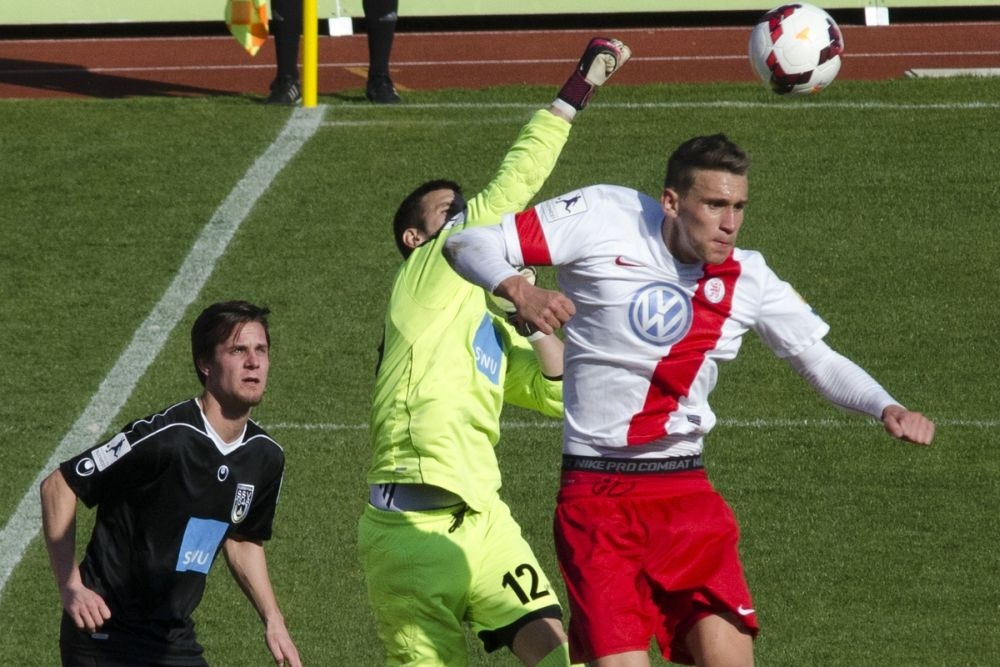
{"x":247,"y":21}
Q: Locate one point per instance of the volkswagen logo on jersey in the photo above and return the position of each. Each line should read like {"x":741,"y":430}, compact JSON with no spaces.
{"x":660,"y":313}
{"x":241,"y":502}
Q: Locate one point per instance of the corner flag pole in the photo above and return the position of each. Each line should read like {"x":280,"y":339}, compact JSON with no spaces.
{"x":310,"y":52}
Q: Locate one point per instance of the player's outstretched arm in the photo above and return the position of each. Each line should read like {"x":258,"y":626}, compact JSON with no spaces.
{"x":600,"y":60}
{"x":908,"y":425}
{"x":86,"y":607}
{"x":248,"y":565}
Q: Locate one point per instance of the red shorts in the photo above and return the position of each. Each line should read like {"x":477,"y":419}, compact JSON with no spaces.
{"x":643,"y":556}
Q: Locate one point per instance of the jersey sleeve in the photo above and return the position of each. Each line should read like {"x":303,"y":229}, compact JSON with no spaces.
{"x":114,"y":468}
{"x":786,"y":323}
{"x":569,"y":227}
{"x":524,"y":169}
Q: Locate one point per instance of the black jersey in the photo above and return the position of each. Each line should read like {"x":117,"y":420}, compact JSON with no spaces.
{"x":167,"y":496}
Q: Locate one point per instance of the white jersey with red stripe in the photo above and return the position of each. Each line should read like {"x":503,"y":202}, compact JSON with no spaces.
{"x":643,"y":347}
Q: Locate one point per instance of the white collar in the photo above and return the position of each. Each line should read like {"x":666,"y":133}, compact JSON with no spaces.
{"x":220,"y":444}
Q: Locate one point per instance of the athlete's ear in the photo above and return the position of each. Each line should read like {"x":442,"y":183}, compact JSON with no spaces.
{"x":413,"y":237}
{"x":670,"y":202}
{"x":203,"y":366}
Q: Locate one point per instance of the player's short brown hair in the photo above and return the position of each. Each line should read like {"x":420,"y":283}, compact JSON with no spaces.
{"x":713,"y":153}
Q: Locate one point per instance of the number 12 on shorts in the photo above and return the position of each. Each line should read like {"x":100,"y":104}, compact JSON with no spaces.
{"x":525,"y":572}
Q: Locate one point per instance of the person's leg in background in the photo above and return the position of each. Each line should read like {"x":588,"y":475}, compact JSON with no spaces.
{"x":286,"y":26}
{"x":380,"y":23}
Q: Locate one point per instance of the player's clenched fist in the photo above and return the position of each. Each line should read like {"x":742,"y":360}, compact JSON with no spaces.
{"x":603,"y":57}
{"x":545,"y":310}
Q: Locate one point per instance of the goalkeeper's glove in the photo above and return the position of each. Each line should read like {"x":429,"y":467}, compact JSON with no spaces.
{"x":509,"y":311}
{"x":602,"y":58}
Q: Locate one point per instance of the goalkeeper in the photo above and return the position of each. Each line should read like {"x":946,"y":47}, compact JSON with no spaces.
{"x":439,"y":547}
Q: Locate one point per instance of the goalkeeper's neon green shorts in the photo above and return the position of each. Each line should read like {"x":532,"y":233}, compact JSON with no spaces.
{"x":430,"y":572}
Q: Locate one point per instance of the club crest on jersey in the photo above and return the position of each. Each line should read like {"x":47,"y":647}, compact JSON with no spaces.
{"x":715,"y":290}
{"x":563,"y":206}
{"x":241,"y":502}
{"x":111,"y":451}
{"x":660,"y":314}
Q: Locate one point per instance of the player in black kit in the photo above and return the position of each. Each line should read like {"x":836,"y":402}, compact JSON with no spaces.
{"x":171,"y":490}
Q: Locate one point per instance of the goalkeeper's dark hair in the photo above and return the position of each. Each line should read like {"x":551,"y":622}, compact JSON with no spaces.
{"x":714,"y":153}
{"x":217,"y":323}
{"x":411,"y":213}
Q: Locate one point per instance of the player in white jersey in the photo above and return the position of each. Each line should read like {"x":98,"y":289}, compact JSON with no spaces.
{"x":654,"y":294}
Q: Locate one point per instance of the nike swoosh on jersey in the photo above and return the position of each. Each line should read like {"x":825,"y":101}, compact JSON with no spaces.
{"x":621,"y":261}
{"x":743,"y":611}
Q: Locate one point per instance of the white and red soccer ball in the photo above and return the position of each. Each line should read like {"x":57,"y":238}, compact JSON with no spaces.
{"x":796,"y":49}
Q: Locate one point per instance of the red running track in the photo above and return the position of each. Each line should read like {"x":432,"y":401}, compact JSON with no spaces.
{"x":109,"y":67}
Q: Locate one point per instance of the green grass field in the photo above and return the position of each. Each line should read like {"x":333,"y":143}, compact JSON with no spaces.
{"x":874,"y":199}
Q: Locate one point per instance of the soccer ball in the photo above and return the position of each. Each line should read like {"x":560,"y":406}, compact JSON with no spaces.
{"x":796,"y":49}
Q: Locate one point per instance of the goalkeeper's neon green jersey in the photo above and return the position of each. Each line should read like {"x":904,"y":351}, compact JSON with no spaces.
{"x":448,"y":363}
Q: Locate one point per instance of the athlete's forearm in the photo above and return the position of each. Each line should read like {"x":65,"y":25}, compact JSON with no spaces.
{"x":549,"y":352}
{"x":841,"y":381}
{"x":59,"y":529}
{"x":248,"y":565}
{"x":523,"y":171}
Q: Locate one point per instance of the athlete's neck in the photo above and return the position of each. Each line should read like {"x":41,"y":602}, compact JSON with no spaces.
{"x":228,"y":423}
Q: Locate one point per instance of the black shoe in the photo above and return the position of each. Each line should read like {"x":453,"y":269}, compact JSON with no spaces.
{"x":381,"y":91}
{"x":285,"y":91}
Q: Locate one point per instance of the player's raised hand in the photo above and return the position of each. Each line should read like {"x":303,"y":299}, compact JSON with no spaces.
{"x":908,"y":425}
{"x":602,"y":58}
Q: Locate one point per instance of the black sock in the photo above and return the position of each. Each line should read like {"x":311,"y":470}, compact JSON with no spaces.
{"x":380,"y":23}
{"x":286,"y":26}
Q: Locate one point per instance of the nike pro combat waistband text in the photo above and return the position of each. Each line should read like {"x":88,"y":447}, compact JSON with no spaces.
{"x":571,"y":463}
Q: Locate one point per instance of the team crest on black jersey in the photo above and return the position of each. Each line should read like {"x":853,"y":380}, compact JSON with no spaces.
{"x":241,"y":502}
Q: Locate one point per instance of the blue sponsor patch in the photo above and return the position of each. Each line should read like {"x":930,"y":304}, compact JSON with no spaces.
{"x":201,"y":540}
{"x":488,"y":348}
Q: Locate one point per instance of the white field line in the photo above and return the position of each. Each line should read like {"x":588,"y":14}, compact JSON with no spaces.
{"x":152,"y":334}
{"x":500,"y":62}
{"x":762,"y":423}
